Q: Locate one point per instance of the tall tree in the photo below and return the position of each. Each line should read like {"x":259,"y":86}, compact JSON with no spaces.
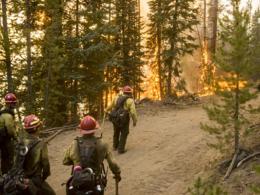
{"x":182,"y":18}
{"x":255,"y":60}
{"x":233,"y":59}
{"x":55,"y":102}
{"x":128,"y":43}
{"x":171,"y":30}
{"x":6,"y":46}
{"x":157,"y":22}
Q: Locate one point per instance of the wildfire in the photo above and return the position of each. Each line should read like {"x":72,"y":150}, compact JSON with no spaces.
{"x":208,"y":70}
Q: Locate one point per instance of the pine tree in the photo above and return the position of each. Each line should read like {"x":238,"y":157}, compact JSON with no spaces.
{"x":255,"y":60}
{"x":171,"y":30}
{"x":127,"y":43}
{"x":157,"y":17}
{"x":55,"y":100}
{"x":6,"y":46}
{"x":227,"y":116}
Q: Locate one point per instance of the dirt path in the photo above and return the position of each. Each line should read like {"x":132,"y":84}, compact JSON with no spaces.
{"x":166,"y":152}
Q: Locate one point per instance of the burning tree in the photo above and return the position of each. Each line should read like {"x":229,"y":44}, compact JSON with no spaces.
{"x":170,"y":37}
{"x":232,"y":58}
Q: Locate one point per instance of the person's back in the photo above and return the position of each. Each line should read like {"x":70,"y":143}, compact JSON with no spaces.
{"x":121,"y":117}
{"x":36,"y":165}
{"x":89,"y":152}
{"x":7,"y":133}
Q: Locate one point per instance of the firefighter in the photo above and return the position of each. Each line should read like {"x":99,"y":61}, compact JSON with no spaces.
{"x":121,"y":126}
{"x":7,"y":132}
{"x":36,"y":165}
{"x":87,"y":153}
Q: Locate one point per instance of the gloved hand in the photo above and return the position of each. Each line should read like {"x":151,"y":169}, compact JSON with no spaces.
{"x":117,"y":177}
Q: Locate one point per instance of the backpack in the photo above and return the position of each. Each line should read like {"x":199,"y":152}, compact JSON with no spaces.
{"x":86,"y":178}
{"x":3,"y":130}
{"x":119,"y":116}
{"x":13,"y":180}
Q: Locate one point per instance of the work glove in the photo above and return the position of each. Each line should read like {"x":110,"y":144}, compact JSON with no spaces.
{"x":117,"y":177}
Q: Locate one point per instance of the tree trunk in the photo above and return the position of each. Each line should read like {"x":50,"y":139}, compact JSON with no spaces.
{"x":29,"y":55}
{"x":214,"y":28}
{"x":159,"y":45}
{"x":236,"y":115}
{"x":204,"y":23}
{"x":170,"y":59}
{"x":55,"y":100}
{"x":75,"y":83}
{"x":6,"y":46}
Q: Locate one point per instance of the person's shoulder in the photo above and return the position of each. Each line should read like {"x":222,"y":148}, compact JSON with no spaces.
{"x":7,"y":116}
{"x":130,"y":100}
{"x":102,"y":143}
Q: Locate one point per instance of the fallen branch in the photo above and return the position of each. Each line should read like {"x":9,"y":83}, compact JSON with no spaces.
{"x":54,"y":135}
{"x":231,"y":166}
{"x":247,"y":158}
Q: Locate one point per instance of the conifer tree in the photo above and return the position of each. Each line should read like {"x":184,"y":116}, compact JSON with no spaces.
{"x":127,"y":43}
{"x":6,"y":46}
{"x":227,"y":116}
{"x":255,"y":60}
{"x":171,"y":28}
{"x":55,"y":101}
{"x":157,"y":16}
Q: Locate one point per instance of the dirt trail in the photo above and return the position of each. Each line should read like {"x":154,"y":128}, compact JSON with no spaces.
{"x":166,"y":152}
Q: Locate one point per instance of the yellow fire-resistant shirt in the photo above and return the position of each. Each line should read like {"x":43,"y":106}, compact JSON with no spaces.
{"x":129,"y":105}
{"x":7,"y":121}
{"x":72,"y":156}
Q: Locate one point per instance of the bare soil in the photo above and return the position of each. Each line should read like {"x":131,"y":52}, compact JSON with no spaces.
{"x":167,"y":151}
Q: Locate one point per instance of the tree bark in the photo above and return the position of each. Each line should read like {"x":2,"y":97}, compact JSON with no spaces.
{"x":75,"y":83}
{"x":29,"y":54}
{"x":6,"y":46}
{"x":215,"y":28}
{"x":159,"y":44}
{"x":170,"y":60}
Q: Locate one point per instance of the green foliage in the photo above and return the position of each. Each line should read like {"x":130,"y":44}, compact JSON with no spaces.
{"x":228,"y":116}
{"x":171,"y":27}
{"x":256,"y":189}
{"x":204,"y":188}
{"x":255,"y":44}
{"x":77,"y":53}
{"x":128,"y":43}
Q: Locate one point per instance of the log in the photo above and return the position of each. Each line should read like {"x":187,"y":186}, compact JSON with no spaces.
{"x":53,"y":136}
{"x":247,"y":158}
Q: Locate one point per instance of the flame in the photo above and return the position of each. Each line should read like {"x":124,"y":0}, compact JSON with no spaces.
{"x":208,"y":71}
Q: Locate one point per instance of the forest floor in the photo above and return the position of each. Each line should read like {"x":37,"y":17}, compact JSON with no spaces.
{"x":167,"y":151}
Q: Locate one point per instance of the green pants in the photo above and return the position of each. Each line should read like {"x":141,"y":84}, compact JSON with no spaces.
{"x":120,"y":136}
{"x":43,"y":188}
{"x":7,"y":155}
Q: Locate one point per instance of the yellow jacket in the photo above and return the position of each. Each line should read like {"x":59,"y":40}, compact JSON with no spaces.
{"x":7,"y":121}
{"x":128,"y":105}
{"x":72,"y":156}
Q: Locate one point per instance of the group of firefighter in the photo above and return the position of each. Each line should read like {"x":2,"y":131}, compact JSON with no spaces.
{"x":24,"y":156}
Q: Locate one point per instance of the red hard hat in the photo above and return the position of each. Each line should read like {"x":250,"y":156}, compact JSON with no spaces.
{"x":30,"y":123}
{"x":88,"y":125}
{"x":10,"y":98}
{"x":127,"y":89}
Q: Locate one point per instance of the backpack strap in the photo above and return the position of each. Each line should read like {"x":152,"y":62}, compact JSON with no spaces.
{"x":121,"y":101}
{"x":23,"y":151}
{"x":82,"y":143}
